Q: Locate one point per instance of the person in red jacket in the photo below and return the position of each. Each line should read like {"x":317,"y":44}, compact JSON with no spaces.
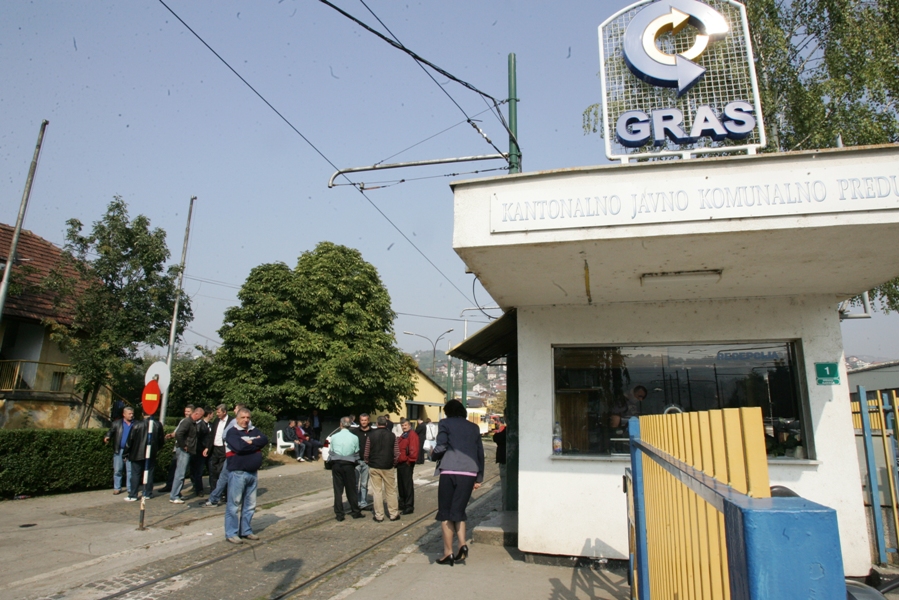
{"x":409,"y":447}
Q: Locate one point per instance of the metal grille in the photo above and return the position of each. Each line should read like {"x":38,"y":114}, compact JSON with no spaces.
{"x":729,"y":76}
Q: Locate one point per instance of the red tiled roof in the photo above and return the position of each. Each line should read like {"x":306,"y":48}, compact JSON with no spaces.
{"x":41,"y":256}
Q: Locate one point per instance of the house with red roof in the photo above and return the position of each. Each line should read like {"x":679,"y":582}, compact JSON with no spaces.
{"x":37,"y":388}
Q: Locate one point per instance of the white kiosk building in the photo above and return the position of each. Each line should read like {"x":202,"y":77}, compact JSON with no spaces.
{"x":709,"y":283}
{"x":679,"y":285}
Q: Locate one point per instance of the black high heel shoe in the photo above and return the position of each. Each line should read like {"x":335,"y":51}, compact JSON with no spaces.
{"x":462,"y":554}
{"x":446,"y":560}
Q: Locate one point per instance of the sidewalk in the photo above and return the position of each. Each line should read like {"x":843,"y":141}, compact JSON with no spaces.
{"x":86,"y":545}
{"x":497,"y":572}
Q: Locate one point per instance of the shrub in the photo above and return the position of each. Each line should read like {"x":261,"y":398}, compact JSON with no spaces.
{"x":55,"y":461}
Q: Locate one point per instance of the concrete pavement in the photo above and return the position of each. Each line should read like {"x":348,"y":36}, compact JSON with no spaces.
{"x":86,"y":546}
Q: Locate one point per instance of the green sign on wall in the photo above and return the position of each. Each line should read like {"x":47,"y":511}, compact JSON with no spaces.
{"x":827,"y":374}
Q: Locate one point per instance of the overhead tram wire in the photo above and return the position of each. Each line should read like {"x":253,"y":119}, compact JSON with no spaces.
{"x":423,"y":61}
{"x":437,"y":83}
{"x":376,"y":185}
{"x":313,"y":146}
{"x":431,"y":137}
{"x":493,"y":109}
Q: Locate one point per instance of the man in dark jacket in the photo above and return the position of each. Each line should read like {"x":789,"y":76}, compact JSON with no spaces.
{"x":118,"y":433}
{"x":217,"y":451}
{"x":381,"y":453}
{"x":173,"y":466}
{"x":185,"y":448}
{"x":245,"y":444}
{"x":198,"y":459}
{"x":362,"y":431}
{"x":136,"y":452}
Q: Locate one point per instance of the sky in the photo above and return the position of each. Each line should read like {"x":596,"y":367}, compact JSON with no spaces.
{"x":139,"y":107}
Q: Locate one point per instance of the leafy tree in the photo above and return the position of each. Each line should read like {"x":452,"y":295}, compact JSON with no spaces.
{"x":123,"y":296}
{"x":318,"y":336}
{"x":828,"y":70}
{"x":498,"y":405}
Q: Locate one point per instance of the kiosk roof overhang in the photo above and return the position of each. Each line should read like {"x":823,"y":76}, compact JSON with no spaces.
{"x":804,"y":223}
{"x":490,"y":343}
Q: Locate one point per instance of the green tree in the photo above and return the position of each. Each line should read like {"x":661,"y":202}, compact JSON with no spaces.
{"x":318,"y":336}
{"x":123,"y":296}
{"x":827,"y":70}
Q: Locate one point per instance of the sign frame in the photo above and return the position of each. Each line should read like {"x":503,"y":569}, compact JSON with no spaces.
{"x":688,"y":150}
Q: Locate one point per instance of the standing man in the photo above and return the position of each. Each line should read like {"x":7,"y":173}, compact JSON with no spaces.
{"x":118,"y":433}
{"x":344,"y":456}
{"x":217,"y":455}
{"x":421,"y":431}
{"x":173,"y":466}
{"x":316,"y":426}
{"x":185,"y":449}
{"x":136,"y":452}
{"x":408,"y":447}
{"x":219,"y":489}
{"x":500,"y":439}
{"x":198,"y":460}
{"x":362,"y":472}
{"x":381,"y":453}
{"x":245,"y":444}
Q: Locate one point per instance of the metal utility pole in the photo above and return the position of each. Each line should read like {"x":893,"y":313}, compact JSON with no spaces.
{"x":171,"y":354}
{"x":4,"y":285}
{"x":433,"y":348}
{"x":514,"y":150}
{"x":449,"y":372}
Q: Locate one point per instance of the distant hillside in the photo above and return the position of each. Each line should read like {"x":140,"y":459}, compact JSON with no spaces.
{"x":863,"y":360}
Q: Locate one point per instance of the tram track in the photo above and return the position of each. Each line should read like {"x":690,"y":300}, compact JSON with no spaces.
{"x":322,"y":573}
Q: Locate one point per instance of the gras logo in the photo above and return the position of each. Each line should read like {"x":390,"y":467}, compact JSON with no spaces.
{"x":661,"y":69}
{"x":678,"y":79}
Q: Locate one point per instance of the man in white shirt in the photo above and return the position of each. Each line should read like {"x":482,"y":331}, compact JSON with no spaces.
{"x":217,"y":460}
{"x":216,"y":495}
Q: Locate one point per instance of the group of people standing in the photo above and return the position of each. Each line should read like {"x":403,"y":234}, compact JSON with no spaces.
{"x":230,"y":447}
{"x":362,"y":458}
{"x":367,"y":458}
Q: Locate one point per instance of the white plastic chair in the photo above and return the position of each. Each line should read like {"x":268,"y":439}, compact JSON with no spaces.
{"x":280,"y":445}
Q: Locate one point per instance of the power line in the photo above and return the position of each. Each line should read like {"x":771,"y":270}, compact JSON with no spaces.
{"x":440,"y":318}
{"x":319,"y":152}
{"x":430,"y":76}
{"x":203,"y":336}
{"x":211,"y":281}
{"x":422,"y":61}
{"x":488,"y":109}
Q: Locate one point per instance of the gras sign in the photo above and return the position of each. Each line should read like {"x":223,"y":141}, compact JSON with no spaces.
{"x":678,"y":78}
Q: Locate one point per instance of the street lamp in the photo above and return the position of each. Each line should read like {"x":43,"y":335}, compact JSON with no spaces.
{"x":434,"y":348}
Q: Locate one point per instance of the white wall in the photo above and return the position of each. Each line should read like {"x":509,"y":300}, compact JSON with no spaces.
{"x":575,"y":506}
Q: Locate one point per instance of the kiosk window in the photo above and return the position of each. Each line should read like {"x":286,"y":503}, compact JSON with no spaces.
{"x":598,"y":389}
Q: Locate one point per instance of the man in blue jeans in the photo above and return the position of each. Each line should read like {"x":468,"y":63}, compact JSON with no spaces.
{"x":362,"y":473}
{"x":245,"y":444}
{"x":185,"y":448}
{"x":121,"y":466}
{"x":216,"y":495}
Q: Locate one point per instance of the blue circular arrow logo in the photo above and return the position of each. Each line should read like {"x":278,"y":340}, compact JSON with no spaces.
{"x":655,"y":67}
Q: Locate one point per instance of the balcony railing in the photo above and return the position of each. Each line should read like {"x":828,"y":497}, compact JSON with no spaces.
{"x":31,"y":375}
